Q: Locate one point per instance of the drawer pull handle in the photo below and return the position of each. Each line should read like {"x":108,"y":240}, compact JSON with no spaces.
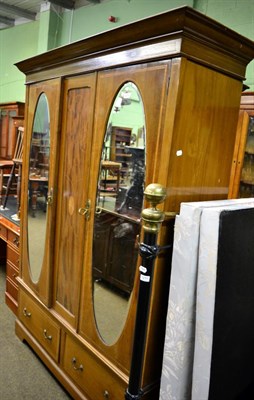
{"x":26,"y":313}
{"x":74,"y":362}
{"x":46,"y":336}
{"x":16,"y":241}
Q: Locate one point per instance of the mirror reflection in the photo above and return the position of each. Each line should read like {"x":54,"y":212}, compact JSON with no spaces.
{"x":38,"y":186}
{"x":118,"y":209}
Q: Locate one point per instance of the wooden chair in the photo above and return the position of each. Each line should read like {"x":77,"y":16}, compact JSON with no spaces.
{"x":5,"y":168}
{"x":14,"y":181}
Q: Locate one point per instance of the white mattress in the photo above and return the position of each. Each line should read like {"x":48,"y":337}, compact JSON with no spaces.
{"x":187,"y":350}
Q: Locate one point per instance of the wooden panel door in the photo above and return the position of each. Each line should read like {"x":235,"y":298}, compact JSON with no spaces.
{"x":77,"y":124}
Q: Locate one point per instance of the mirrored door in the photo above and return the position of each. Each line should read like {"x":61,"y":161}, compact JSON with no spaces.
{"x":126,"y":132}
{"x":119,"y":202}
{"x":38,"y":190}
{"x":246,"y":184}
{"x":40,"y":172}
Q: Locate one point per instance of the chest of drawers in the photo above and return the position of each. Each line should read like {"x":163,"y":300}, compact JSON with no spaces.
{"x":9,"y":236}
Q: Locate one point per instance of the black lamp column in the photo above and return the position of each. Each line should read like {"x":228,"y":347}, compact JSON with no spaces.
{"x":152,"y":219}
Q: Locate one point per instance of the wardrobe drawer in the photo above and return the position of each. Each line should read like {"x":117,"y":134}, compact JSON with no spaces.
{"x":46,"y":331}
{"x":11,"y":273}
{"x":13,"y":239}
{"x":12,"y":289}
{"x":93,"y":377}
{"x":3,"y":232}
{"x":13,"y":256}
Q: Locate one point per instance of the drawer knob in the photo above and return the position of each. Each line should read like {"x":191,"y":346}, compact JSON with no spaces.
{"x":106,"y":394}
{"x":26,"y":313}
{"x":46,"y":336}
{"x":74,"y":364}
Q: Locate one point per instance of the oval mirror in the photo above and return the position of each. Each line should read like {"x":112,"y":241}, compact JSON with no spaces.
{"x":118,"y":211}
{"x":38,"y":186}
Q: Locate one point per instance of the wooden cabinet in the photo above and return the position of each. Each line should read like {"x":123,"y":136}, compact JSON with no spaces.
{"x":121,"y":137}
{"x":8,"y":111}
{"x":109,"y":263}
{"x":12,"y":269}
{"x":10,"y":114}
{"x":242,"y":173}
{"x":79,"y":259}
{"x":10,"y":241}
{"x":3,"y":232}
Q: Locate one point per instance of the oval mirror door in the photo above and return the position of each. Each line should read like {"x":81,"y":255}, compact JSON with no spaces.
{"x":118,"y":211}
{"x":38,"y":187}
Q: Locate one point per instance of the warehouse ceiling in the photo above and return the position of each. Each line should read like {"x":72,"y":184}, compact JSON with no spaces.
{"x":16,"y":12}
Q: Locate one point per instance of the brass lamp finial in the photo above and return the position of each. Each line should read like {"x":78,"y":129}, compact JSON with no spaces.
{"x":152,"y":217}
